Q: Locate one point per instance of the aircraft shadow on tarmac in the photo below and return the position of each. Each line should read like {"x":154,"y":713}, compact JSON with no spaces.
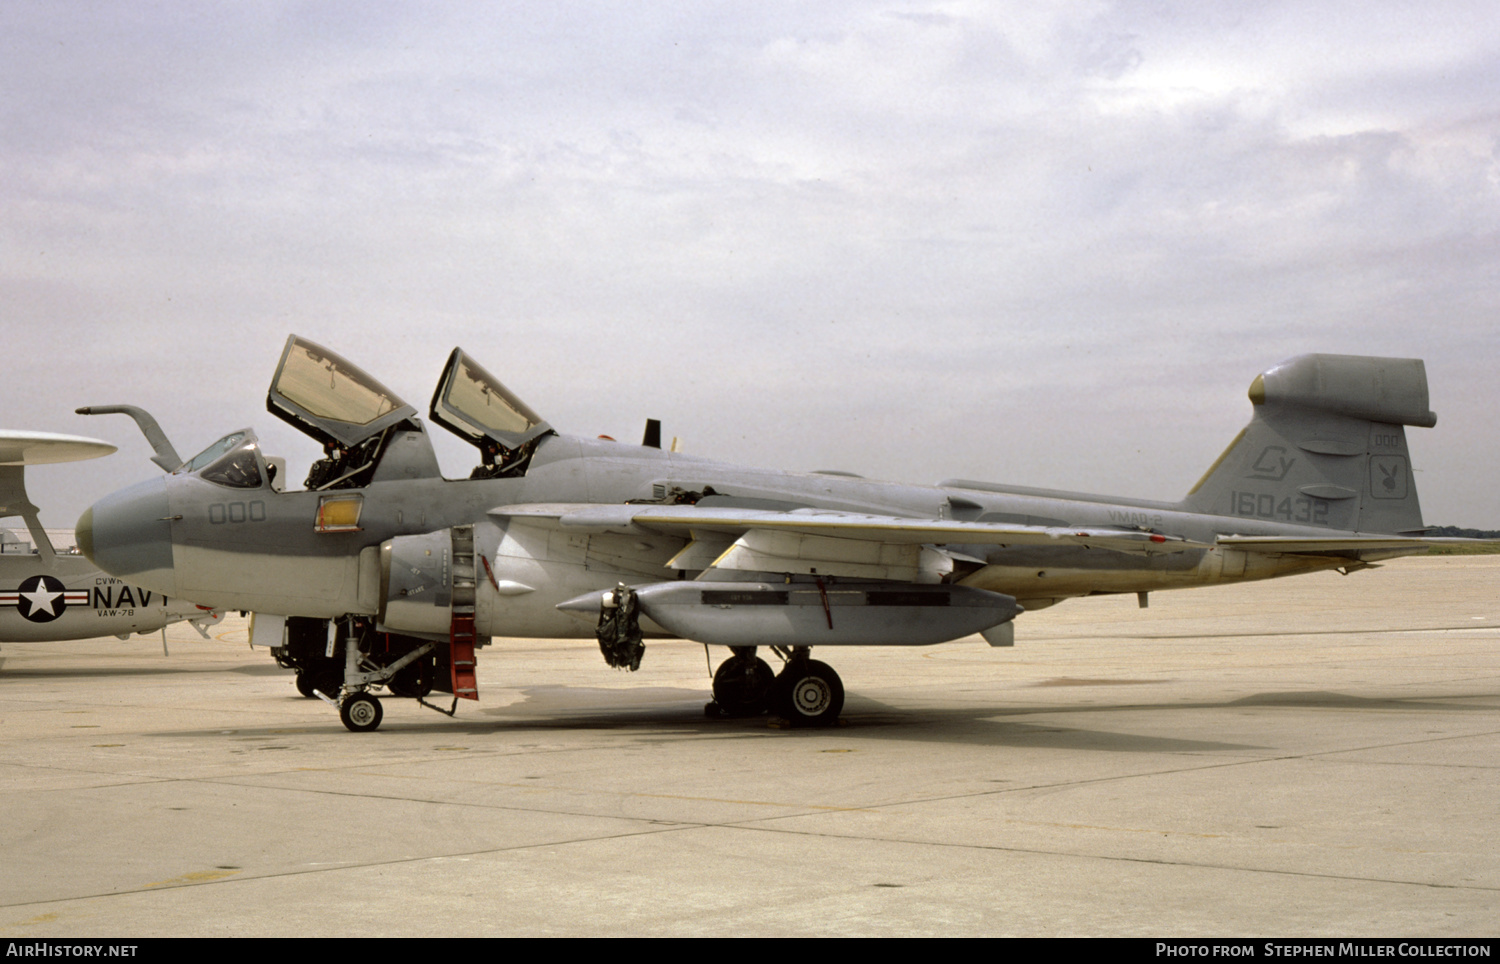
{"x":12,"y":671}
{"x":1326,"y":700}
{"x":865,"y":718}
{"x":674,"y":713}
{"x":954,"y":728}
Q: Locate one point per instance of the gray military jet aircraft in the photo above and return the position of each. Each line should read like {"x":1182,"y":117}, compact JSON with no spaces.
{"x":48,"y":595}
{"x":382,"y":573}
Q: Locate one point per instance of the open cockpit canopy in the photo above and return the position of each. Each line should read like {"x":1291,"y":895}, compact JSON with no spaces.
{"x":329,"y":398}
{"x":471,"y":403}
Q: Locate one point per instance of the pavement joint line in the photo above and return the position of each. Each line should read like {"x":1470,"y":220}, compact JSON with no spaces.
{"x":1169,"y":771}
{"x":809,"y":808}
{"x":1035,"y":851}
{"x":1135,"y":860}
{"x":239,"y":783}
{"x":362,"y":865}
{"x":248,"y":781}
{"x":1398,"y":743}
{"x":802,"y":810}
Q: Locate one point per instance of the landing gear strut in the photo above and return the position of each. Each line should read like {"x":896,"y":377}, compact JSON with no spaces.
{"x":327,"y":681}
{"x":805,"y":693}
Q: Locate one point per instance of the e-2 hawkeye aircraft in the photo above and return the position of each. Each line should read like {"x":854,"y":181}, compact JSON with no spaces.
{"x":48,"y":595}
{"x":381,"y":573}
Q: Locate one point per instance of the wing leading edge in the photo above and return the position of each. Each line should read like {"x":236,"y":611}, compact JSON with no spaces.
{"x":891,"y":547}
{"x":821,"y":542}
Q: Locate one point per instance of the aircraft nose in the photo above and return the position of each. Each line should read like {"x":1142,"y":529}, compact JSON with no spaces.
{"x":128,"y":535}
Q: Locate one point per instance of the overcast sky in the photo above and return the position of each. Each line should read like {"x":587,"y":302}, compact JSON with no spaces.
{"x":1047,"y":244}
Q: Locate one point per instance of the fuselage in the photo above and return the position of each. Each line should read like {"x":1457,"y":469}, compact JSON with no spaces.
{"x":264,"y":550}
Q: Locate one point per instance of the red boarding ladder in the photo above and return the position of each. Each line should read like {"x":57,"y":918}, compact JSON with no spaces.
{"x":461,"y":636}
{"x":461,"y":655}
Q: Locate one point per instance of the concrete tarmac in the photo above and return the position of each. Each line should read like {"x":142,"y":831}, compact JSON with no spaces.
{"x":1313,"y":756}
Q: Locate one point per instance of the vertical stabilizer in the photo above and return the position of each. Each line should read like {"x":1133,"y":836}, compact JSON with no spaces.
{"x":1325,"y":446}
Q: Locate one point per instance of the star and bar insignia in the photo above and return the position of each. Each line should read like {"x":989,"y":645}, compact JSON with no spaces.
{"x":43,"y":598}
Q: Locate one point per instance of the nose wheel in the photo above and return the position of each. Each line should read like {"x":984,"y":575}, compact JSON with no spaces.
{"x":361,"y":712}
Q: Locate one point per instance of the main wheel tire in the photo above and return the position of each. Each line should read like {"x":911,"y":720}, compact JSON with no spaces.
{"x":809,"y":693}
{"x":743,"y":686}
{"x":361,"y":713}
{"x":325,"y":681}
{"x":413,"y":681}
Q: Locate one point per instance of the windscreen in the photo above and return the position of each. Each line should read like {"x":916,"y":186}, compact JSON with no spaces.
{"x":212,"y":453}
{"x":232,"y":461}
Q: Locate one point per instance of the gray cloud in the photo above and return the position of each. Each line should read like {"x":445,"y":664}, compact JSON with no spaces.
{"x":1048,"y":246}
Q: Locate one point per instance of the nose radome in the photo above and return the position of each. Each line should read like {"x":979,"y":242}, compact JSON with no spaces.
{"x":127,"y":534}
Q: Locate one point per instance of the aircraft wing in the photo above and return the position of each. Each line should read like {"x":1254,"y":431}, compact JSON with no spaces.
{"x":841,"y":525}
{"x":826,"y":542}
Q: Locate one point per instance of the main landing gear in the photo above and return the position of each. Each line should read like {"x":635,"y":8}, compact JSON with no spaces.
{"x":805,"y":692}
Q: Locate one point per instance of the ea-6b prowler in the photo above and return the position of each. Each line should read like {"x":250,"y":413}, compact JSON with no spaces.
{"x":380,"y":574}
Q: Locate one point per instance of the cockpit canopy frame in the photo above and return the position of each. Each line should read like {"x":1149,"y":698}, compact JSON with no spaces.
{"x":473,"y":404}
{"x":329,"y":398}
{"x":234,"y":461}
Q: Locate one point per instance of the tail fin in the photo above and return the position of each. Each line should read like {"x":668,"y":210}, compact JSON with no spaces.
{"x":1324,"y":447}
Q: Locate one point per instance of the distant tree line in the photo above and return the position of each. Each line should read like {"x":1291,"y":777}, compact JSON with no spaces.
{"x":1462,"y":549}
{"x":1463,"y":533}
